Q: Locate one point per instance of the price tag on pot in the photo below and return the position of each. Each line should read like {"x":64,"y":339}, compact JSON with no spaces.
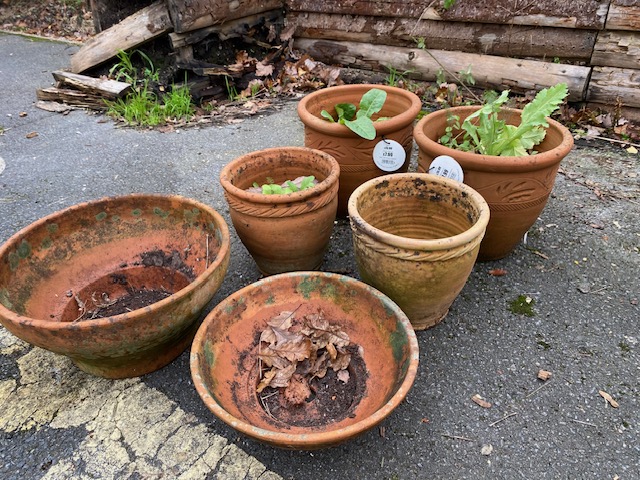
{"x":389,"y":155}
{"x":446,"y":166}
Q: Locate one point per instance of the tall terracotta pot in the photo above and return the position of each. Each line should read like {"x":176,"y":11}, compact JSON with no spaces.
{"x":416,"y":238}
{"x":516,"y":188}
{"x":354,"y":153}
{"x":284,"y":232}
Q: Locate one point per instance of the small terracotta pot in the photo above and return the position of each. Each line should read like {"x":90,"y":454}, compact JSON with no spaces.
{"x":96,"y":253}
{"x":286,"y":232}
{"x":416,"y":238}
{"x":516,"y":188}
{"x":354,"y":153}
{"x":224,"y":360}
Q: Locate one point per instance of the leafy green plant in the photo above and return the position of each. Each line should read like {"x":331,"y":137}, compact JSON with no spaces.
{"x":289,"y":186}
{"x":484,"y":132}
{"x":141,"y":107}
{"x":178,"y":103}
{"x":125,"y":70}
{"x":358,"y":119}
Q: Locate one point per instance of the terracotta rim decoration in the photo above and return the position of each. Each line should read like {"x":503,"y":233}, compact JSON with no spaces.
{"x":516,"y":188}
{"x":97,"y":246}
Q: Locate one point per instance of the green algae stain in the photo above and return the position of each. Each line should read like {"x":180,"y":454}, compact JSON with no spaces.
{"x":309,"y":285}
{"x":24,"y":249}
{"x":46,"y":243}
{"x":192,"y":215}
{"x":52,"y":227}
{"x":270,"y":300}
{"x":4,"y":299}
{"x":101,"y":216}
{"x":161,"y":213}
{"x":398,"y":340}
{"x":14,"y":261}
{"x":115,"y":218}
{"x":136,"y":212}
{"x":209,"y":357}
{"x":329,"y":291}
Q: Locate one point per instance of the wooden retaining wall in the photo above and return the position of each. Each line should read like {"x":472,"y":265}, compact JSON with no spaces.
{"x":592,"y":45}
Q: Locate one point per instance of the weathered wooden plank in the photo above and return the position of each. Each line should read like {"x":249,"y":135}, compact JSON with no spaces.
{"x":615,"y":85}
{"x":588,"y":14}
{"x":142,"y":26}
{"x":617,"y":49}
{"x":490,"y":39}
{"x":488,"y":71}
{"x":628,"y":113}
{"x":95,"y":86}
{"x":71,"y":97}
{"x":624,"y":15}
{"x":228,"y":29}
{"x":190,"y":15}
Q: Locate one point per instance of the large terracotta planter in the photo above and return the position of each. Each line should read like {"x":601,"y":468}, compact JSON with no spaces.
{"x":224,"y":362}
{"x":516,"y":188}
{"x":416,"y":238}
{"x":285,"y":232}
{"x":354,"y":153}
{"x":91,"y":256}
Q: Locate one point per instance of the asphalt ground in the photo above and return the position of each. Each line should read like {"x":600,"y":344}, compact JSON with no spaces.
{"x":580,"y":266}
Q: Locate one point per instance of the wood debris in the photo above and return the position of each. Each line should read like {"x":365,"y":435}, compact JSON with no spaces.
{"x":608,"y":398}
{"x":544,"y":375}
{"x":481,"y":401}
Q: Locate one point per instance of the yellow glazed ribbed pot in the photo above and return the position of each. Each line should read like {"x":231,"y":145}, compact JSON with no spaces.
{"x":416,"y":238}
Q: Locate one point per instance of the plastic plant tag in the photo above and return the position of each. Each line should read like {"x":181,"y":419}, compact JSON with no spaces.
{"x":446,"y":166}
{"x":389,"y":155}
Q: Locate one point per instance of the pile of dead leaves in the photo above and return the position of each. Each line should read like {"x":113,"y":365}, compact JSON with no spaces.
{"x":294,"y":351}
{"x":68,"y":20}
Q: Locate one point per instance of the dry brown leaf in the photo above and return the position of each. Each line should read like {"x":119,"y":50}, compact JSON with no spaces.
{"x":481,"y":401}
{"x":263,"y":70}
{"x":282,"y":376}
{"x":297,"y":391}
{"x":32,"y":134}
{"x":608,"y":398}
{"x":544,"y":375}
{"x":497,"y":272}
{"x":266,"y":379}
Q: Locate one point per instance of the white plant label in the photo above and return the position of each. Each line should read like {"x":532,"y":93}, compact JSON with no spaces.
{"x":389,"y":155}
{"x":446,"y":166}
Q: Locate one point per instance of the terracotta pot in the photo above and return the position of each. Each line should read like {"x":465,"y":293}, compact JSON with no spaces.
{"x":283,"y":232}
{"x":516,"y":188}
{"x":56,"y":271}
{"x":354,"y":153}
{"x":416,"y":238}
{"x":224,"y":361}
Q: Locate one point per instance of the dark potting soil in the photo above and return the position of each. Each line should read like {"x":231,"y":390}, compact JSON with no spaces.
{"x":132,"y":301}
{"x":331,"y":400}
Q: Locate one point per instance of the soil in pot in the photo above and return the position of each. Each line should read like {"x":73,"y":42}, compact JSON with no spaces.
{"x":155,"y":277}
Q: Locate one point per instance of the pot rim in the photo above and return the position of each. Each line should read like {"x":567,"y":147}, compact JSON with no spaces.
{"x":384,"y":127}
{"x":306,"y":440}
{"x":421,"y":245}
{"x":286,"y":198}
{"x":492,"y":163}
{"x":133,"y":316}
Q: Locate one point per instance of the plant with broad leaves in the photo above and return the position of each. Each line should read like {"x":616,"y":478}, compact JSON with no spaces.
{"x":358,"y":119}
{"x":289,"y":186}
{"x":485,"y":133}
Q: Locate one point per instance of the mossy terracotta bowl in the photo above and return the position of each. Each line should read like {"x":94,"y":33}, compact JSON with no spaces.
{"x":224,"y":363}
{"x":116,"y":284}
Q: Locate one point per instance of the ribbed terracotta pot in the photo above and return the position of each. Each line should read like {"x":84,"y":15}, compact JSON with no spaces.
{"x":285,"y":232}
{"x":354,"y":153}
{"x":224,"y":357}
{"x":416,"y":238}
{"x":91,"y":256}
{"x":516,"y":188}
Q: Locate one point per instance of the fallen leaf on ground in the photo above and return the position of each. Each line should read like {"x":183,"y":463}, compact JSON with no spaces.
{"x":632,"y":150}
{"x":608,"y":398}
{"x":32,"y":134}
{"x":544,"y":375}
{"x":486,"y":450}
{"x":497,"y":272}
{"x":481,"y":401}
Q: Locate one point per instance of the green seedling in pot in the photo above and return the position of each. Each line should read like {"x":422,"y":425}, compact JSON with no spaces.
{"x":485,"y":133}
{"x":289,"y":186}
{"x":358,"y":119}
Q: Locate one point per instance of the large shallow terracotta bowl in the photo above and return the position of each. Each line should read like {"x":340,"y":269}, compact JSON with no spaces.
{"x":116,"y":284}
{"x":224,"y":363}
